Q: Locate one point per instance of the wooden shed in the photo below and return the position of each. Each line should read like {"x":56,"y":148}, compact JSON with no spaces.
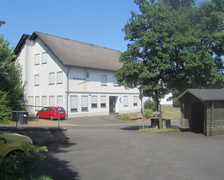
{"x":202,"y":111}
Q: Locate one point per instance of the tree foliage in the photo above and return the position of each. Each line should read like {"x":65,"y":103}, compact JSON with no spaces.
{"x":10,"y":75}
{"x":5,"y":110}
{"x":174,"y":45}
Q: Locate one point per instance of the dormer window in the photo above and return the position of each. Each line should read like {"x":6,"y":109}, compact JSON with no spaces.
{"x":115,"y":81}
{"x":103,"y":80}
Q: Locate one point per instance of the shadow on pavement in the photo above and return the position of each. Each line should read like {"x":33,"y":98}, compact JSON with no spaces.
{"x":138,"y":127}
{"x":55,"y":167}
{"x":135,"y":127}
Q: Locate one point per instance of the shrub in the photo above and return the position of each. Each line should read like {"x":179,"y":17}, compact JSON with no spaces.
{"x":19,"y":165}
{"x":176,"y":103}
{"x":148,"y":112}
{"x":150,"y":105}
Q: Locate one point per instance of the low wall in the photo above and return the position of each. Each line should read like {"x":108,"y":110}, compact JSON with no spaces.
{"x":40,"y":135}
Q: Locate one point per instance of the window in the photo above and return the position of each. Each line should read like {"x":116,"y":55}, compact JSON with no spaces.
{"x":44,"y":100}
{"x":44,"y":58}
{"x":135,"y":101}
{"x":94,"y":101}
{"x":30,"y":103}
{"x":103,"y":80}
{"x":45,"y":109}
{"x":51,"y":101}
{"x":59,"y":100}
{"x":103,"y":101}
{"x":37,"y":59}
{"x":125,"y":101}
{"x":51,"y":78}
{"x":36,"y":80}
{"x":74,"y":103}
{"x":115,"y":81}
{"x":37,"y":103}
{"x":84,"y":102}
{"x":59,"y":77}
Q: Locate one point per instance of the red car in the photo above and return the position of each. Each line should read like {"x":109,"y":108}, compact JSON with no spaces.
{"x":52,"y":112}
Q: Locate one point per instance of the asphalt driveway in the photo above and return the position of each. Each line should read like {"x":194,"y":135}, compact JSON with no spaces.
{"x":95,"y":120}
{"x":112,"y":150}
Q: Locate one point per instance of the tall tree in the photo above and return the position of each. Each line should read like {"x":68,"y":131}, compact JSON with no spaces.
{"x":174,"y":45}
{"x":10,"y":75}
{"x":5,"y":109}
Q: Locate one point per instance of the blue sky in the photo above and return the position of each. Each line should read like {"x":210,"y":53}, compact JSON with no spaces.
{"x":97,"y":22}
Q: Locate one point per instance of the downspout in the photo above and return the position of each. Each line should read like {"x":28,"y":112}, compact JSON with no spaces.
{"x":67,"y":91}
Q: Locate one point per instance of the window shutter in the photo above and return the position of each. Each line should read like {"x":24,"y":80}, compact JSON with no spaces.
{"x":84,"y":101}
{"x":44,"y":57}
{"x":51,"y":100}
{"x":60,"y":100}
{"x":94,"y":99}
{"x":36,"y":79}
{"x":103,"y":99}
{"x":44,"y":100}
{"x":37,"y":103}
{"x":135,"y":100}
{"x":125,"y":100}
{"x":74,"y":101}
{"x":51,"y":78}
{"x":59,"y":77}
{"x":37,"y":59}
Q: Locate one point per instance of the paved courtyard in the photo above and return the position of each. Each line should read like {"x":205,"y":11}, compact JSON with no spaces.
{"x":108,"y":149}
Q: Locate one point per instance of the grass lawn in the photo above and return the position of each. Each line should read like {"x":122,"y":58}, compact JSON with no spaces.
{"x":154,"y":130}
{"x":167,"y":113}
{"x":171,"y":113}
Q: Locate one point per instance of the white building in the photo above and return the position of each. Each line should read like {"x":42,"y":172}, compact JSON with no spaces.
{"x":78,"y":76}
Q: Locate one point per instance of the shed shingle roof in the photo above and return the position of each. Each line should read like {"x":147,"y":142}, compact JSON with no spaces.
{"x":75,"y":53}
{"x":205,"y":94}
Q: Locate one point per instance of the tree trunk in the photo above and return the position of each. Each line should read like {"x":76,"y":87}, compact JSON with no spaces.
{"x":159,"y":110}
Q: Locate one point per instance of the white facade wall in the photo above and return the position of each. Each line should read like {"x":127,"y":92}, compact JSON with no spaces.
{"x":87,"y":82}
{"x":76,"y":81}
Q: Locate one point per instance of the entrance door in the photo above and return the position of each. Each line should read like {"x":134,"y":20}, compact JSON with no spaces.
{"x":112,"y":101}
{"x":197,"y":118}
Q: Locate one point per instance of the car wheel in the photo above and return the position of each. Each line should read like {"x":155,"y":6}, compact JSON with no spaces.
{"x":38,"y":116}
{"x":51,"y":117}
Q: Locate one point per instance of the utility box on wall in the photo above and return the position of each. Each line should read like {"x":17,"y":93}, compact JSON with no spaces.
{"x":202,"y":111}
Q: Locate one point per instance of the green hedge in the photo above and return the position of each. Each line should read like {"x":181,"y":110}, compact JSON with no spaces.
{"x":149,"y":104}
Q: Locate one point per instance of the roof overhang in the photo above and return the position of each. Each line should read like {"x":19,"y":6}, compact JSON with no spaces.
{"x":204,"y":94}
{"x":21,"y":43}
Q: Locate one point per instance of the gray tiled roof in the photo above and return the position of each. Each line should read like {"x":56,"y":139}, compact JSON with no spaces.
{"x":80,"y":54}
{"x":205,"y":94}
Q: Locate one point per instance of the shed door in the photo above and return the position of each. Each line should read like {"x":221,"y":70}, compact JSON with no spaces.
{"x":197,"y":118}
